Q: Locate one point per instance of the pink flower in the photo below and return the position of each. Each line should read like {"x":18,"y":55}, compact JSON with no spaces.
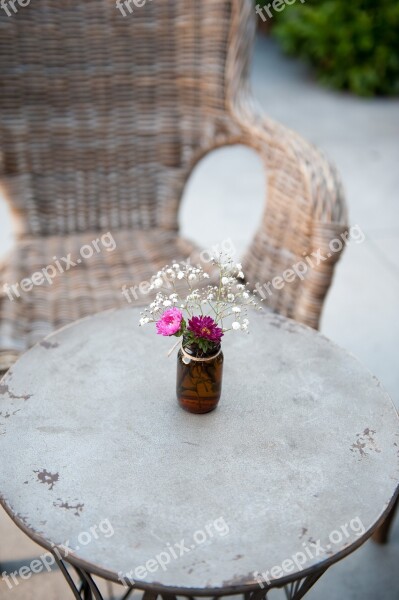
{"x":170,"y":322}
{"x":206,"y":328}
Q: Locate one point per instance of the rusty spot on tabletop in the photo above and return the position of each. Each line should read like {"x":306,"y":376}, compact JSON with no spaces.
{"x":49,"y":345}
{"x":7,"y":415}
{"x":360,"y":447}
{"x":368,"y":432}
{"x":365,"y":441}
{"x":4,"y":389}
{"x":377,"y":381}
{"x":312,"y":541}
{"x":46,"y":477}
{"x":23,"y":518}
{"x":78,"y":507}
{"x":303,"y":532}
{"x":239,"y":579}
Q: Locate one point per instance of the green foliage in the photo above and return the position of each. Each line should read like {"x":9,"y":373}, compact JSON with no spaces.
{"x":190,"y":339}
{"x":353,"y":44}
{"x":182,"y":329}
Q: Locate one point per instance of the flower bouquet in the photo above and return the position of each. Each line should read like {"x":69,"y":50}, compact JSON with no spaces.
{"x":200,"y":318}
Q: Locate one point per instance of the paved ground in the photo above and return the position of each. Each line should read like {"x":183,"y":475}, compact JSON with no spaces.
{"x":225,"y":199}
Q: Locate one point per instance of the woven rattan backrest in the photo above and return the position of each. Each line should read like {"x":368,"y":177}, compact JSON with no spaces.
{"x":101,"y":114}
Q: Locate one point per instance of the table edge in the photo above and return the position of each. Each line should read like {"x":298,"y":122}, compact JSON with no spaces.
{"x":241,"y":587}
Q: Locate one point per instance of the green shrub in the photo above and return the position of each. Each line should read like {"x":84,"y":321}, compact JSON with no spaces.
{"x":353,"y":44}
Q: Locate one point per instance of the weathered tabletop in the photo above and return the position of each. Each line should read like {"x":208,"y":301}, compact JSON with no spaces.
{"x":304,"y":443}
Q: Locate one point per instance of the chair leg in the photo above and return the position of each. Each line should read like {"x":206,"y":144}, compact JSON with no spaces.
{"x":381,"y":535}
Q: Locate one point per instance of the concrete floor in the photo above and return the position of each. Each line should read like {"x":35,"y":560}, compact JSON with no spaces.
{"x":224,"y":198}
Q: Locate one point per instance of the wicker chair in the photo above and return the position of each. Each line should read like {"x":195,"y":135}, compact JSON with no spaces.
{"x":102,"y":119}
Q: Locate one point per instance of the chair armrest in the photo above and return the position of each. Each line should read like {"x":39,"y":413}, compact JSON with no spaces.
{"x":305,"y":213}
{"x":9,"y":318}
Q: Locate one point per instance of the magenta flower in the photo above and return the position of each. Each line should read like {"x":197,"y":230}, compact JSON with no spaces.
{"x":206,"y":328}
{"x":170,"y":322}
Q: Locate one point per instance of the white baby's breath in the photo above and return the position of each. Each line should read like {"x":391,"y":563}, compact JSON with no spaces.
{"x":227,"y":301}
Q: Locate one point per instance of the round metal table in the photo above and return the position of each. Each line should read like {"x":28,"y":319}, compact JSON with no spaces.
{"x":293,"y":471}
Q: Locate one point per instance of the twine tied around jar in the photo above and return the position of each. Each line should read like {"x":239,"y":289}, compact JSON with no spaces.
{"x":188,"y":358}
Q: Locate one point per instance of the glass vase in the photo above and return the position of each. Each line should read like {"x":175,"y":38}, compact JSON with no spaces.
{"x":199,"y":379}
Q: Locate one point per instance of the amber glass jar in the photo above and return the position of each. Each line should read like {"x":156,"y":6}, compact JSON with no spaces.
{"x":199,"y":378}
